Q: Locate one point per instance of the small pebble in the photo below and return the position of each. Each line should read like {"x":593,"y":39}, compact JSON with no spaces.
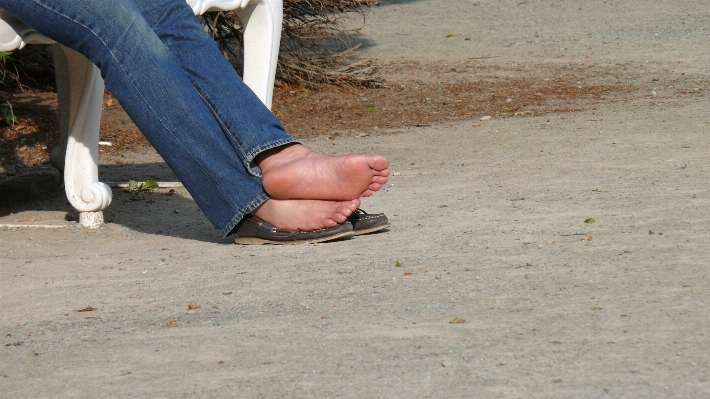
{"x":446,"y":363}
{"x":486,"y":118}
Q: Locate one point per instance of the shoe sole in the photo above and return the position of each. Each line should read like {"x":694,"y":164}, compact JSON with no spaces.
{"x":371,"y":229}
{"x":262,"y":241}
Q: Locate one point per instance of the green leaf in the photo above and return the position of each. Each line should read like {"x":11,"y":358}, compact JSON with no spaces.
{"x":149,"y":185}
{"x":132,"y":186}
{"x":590,"y":220}
{"x":397,"y":264}
{"x":8,"y":117}
{"x":457,"y":320}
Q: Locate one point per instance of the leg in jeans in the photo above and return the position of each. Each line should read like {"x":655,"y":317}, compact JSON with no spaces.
{"x":294,"y":171}
{"x":250,"y":126}
{"x":157,"y":94}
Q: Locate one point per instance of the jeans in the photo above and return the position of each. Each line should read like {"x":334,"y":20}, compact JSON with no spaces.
{"x":174,"y":83}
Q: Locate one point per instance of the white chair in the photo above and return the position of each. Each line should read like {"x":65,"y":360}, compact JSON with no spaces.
{"x":80,"y":91}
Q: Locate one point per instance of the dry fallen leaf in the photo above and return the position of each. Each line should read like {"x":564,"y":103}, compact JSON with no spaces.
{"x":192,"y":306}
{"x":87,"y":309}
{"x":408,"y":273}
{"x":330,"y":138}
{"x":650,"y":232}
{"x":172,"y":324}
{"x":457,"y":320}
{"x":596,"y":308}
{"x":587,"y":238}
{"x":517,"y":199}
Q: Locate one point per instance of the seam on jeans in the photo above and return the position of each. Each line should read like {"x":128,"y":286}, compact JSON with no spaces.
{"x":243,"y":212}
{"x":217,"y":117}
{"x":135,"y":87}
{"x":248,"y":157}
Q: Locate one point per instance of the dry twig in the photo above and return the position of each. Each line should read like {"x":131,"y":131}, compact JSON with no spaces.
{"x":316,"y":47}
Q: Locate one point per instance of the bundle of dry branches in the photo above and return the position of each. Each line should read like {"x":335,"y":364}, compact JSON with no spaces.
{"x":316,"y":46}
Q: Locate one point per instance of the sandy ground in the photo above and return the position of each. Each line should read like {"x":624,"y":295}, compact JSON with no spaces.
{"x":488,"y":226}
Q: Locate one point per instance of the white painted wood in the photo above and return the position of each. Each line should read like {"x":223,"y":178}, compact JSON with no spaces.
{"x":200,"y":7}
{"x":80,"y":90}
{"x":262,"y":38}
{"x":80,"y":93}
{"x":14,"y":34}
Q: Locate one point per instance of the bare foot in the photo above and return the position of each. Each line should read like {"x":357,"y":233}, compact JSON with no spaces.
{"x":296,"y":172}
{"x":305,"y":215}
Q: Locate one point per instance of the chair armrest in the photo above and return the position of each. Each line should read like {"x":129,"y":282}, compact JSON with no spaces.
{"x":200,"y":7}
{"x":15,"y":34}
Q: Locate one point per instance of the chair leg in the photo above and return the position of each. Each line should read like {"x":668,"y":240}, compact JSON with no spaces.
{"x":80,"y":90}
{"x":262,"y":37}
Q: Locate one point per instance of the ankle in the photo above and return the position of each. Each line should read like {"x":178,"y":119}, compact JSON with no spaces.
{"x":277,"y":154}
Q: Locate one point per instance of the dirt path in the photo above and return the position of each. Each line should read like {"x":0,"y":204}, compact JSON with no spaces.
{"x":488,"y":227}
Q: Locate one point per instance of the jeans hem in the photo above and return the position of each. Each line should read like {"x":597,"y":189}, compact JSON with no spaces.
{"x":249,"y":160}
{"x":226,"y":230}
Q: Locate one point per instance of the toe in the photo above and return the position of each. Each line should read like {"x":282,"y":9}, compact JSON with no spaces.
{"x":343,"y":211}
{"x":379,"y":179}
{"x":353,"y":205}
{"x":366,"y":193}
{"x":375,"y":186}
{"x":379,"y":163}
{"x":338,"y":218}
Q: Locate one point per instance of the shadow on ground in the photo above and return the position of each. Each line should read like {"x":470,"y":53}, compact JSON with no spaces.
{"x":37,"y":195}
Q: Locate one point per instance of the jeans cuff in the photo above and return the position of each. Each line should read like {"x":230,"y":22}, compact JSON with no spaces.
{"x":249,"y":160}
{"x":226,"y":230}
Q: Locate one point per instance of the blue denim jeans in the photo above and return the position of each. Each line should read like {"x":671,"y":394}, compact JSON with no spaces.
{"x":174,"y":83}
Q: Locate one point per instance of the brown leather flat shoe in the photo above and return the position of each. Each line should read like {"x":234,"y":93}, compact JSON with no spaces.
{"x":364,"y":223}
{"x":254,"y":231}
